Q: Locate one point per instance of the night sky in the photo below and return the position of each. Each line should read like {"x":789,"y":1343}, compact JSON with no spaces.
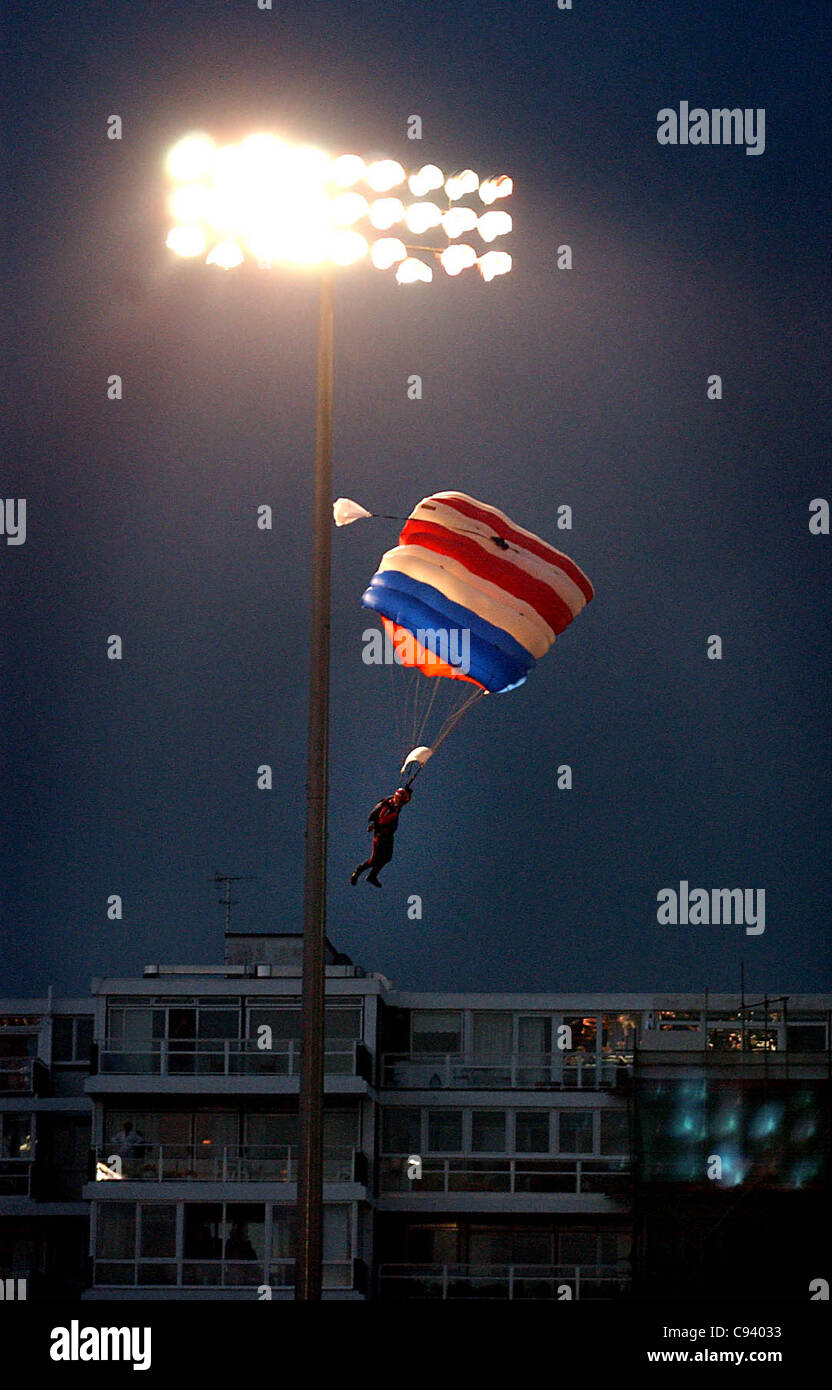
{"x":584,"y":387}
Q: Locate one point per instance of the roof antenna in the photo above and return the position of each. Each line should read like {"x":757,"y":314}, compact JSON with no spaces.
{"x":228,"y":902}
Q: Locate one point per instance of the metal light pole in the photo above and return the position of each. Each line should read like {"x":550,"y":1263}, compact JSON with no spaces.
{"x":283,"y":205}
{"x":310,"y":1183}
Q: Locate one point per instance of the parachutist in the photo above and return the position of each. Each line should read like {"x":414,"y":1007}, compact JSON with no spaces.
{"x":382,"y":823}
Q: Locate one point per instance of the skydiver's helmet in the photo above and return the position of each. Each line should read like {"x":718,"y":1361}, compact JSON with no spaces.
{"x":402,"y":795}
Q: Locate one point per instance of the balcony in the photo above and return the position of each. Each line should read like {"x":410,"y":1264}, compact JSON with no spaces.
{"x":222,"y":1065}
{"x":551,"y":1071}
{"x":223,"y":1163}
{"x":607,"y":1177}
{"x":23,"y":1076}
{"x":503,"y":1281}
{"x":250,"y":1275}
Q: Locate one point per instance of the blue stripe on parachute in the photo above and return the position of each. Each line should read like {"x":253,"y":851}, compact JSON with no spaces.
{"x":497,"y":660}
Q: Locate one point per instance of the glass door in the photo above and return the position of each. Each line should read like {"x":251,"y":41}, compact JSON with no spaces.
{"x":534,"y":1046}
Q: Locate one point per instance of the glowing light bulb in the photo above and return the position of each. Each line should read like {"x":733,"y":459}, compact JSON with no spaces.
{"x":348,"y":247}
{"x":494,"y":263}
{"x":385,"y":174}
{"x":493,"y":224}
{"x":425,"y":180}
{"x":459,"y":220}
{"x":491,"y":189}
{"x":459,"y":184}
{"x":419,"y":217}
{"x":457,"y":258}
{"x":225,"y":254}
{"x":347,"y":170}
{"x":190,"y":202}
{"x":386,"y":251}
{"x":191,"y":158}
{"x":348,"y":208}
{"x":385,"y":211}
{"x":260,"y":154}
{"x":411,"y":271}
{"x":186,"y":241}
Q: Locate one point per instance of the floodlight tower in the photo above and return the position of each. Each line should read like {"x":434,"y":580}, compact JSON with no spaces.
{"x":285,"y":205}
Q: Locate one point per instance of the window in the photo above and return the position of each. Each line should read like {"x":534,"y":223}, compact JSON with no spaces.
{"x":233,"y":1232}
{"x":492,"y":1036}
{"x":219,"y":1023}
{"x":725,"y":1039}
{"x":71,"y":1039}
{"x":343,"y":1023}
{"x":283,"y":1233}
{"x":806,"y":1037}
{"x":157,"y":1232}
{"x":679,"y":1020}
{"x":618,"y":1032}
{"x":272,"y":1131}
{"x":341,"y":1128}
{"x":436,"y":1032}
{"x":615,"y":1132}
{"x":203,"y":1240}
{"x":489,"y":1246}
{"x":116,"y":1234}
{"x":244,"y":1230}
{"x":337,"y":1243}
{"x":531,"y":1247}
{"x":445,"y":1131}
{"x":139,"y":1028}
{"x":488,"y":1131}
{"x":575,"y":1131}
{"x":584,"y":1033}
{"x":16,"y":1135}
{"x":531,"y":1131}
{"x":284,"y":1023}
{"x":402,"y":1131}
{"x":433,"y":1244}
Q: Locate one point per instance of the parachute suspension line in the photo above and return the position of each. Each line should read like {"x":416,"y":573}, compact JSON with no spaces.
{"x":418,"y":732}
{"x":454,"y":719}
{"x":395,"y":701}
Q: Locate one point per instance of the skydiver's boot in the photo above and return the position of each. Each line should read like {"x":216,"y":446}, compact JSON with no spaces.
{"x":371,"y":878}
{"x":356,"y":874}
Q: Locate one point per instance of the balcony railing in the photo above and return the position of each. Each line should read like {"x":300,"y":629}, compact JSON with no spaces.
{"x":218,"y":1274}
{"x":608,"y":1177}
{"x":441,"y":1281}
{"x":479,"y":1071}
{"x":222,"y":1163}
{"x":223,"y":1057}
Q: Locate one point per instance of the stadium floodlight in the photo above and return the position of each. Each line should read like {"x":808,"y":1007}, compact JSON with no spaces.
{"x":281,"y":204}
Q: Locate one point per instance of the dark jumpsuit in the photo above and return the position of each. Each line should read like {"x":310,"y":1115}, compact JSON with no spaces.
{"x":383,"y":821}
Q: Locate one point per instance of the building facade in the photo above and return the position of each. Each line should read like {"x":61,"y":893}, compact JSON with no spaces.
{"x":592,"y":1146}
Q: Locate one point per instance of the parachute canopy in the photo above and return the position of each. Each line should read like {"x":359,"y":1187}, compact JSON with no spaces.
{"x":469,"y":595}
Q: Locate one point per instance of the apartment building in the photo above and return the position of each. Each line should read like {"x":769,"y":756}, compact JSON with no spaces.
{"x":502,"y":1146}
